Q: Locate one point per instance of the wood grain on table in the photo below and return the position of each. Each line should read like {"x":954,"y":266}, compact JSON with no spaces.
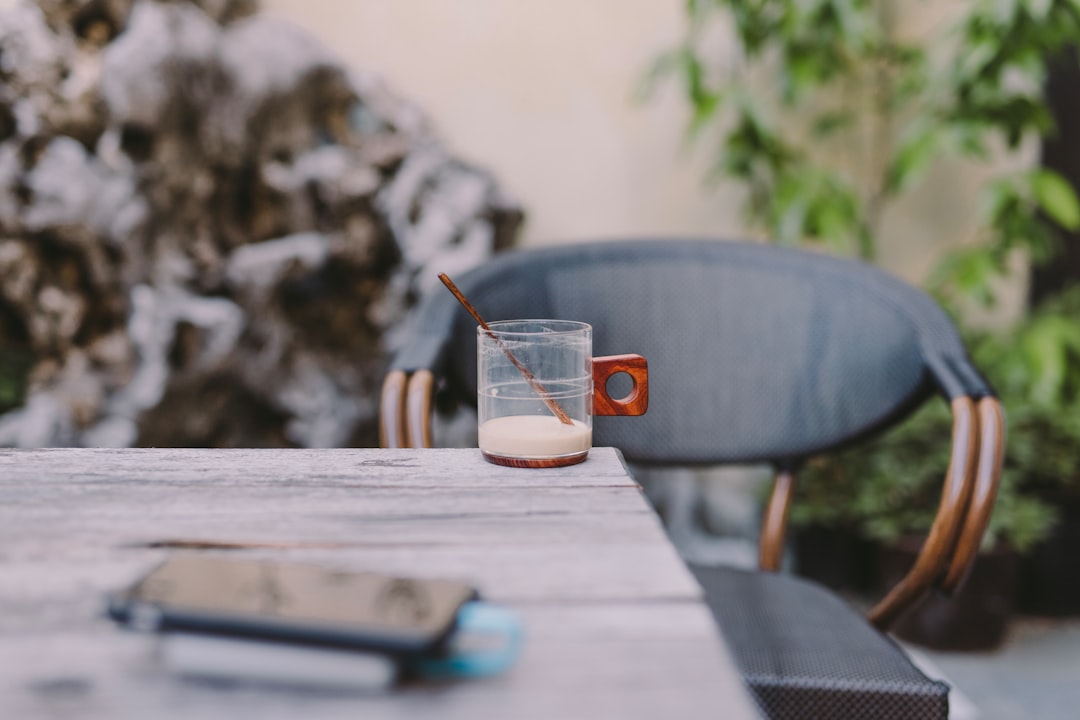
{"x":615,"y":626}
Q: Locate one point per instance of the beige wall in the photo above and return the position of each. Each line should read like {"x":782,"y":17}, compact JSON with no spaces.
{"x":542,"y":93}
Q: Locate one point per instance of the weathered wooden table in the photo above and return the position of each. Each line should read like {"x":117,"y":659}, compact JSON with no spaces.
{"x":615,"y":627}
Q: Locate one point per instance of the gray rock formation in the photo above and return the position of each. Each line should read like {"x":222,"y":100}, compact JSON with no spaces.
{"x":211,"y":232}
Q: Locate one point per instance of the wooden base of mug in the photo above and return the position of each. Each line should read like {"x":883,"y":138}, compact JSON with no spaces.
{"x":518,"y":462}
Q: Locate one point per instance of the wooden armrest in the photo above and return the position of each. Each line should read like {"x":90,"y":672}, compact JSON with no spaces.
{"x":392,"y":411}
{"x":405,"y":409}
{"x":950,"y":518}
{"x":418,"y":397}
{"x":987,"y":479}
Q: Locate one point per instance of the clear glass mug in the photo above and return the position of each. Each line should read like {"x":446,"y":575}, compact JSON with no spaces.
{"x":538,"y":387}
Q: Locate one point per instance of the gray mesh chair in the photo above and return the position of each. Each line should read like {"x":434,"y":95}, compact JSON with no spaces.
{"x":756,"y":354}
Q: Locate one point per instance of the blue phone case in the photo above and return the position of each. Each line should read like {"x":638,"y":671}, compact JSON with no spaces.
{"x":487,"y":641}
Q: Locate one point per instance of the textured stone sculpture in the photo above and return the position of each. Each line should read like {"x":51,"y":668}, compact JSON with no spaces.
{"x":209,"y":228}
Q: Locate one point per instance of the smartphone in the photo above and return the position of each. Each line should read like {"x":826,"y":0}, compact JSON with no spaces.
{"x":305,"y":605}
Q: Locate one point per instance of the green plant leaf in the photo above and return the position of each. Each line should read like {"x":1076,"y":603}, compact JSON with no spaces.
{"x":966,"y":139}
{"x":790,"y":206}
{"x":1050,"y":343}
{"x":1057,"y":198}
{"x":914,"y":156}
{"x":1021,"y":520}
{"x":829,"y":123}
{"x":998,"y":199}
{"x":968,"y":272}
{"x":693,"y":75}
{"x":658,"y":70}
{"x":705,"y":108}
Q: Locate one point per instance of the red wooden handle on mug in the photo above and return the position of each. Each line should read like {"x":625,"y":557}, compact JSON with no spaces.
{"x":637,"y":402}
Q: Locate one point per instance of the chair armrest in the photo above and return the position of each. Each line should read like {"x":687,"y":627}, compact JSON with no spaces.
{"x":987,"y":479}
{"x":951,"y":516}
{"x":392,"y":410}
{"x":405,"y":409}
{"x":418,"y":400}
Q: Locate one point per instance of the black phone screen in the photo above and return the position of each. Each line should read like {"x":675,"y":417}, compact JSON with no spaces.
{"x":303,"y":603}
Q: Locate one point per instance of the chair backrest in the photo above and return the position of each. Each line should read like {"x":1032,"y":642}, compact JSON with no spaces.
{"x":756,"y":353}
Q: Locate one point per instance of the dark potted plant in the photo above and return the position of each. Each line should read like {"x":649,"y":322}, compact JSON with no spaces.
{"x":888,"y":490}
{"x":1049,"y":581}
{"x":1037,"y":369}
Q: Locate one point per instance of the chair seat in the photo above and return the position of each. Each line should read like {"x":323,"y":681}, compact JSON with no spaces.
{"x":806,"y":654}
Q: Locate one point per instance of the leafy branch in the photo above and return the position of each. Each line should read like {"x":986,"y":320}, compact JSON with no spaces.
{"x":831,"y":115}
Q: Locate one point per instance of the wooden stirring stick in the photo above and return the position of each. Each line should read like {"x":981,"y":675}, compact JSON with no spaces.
{"x":552,"y":404}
